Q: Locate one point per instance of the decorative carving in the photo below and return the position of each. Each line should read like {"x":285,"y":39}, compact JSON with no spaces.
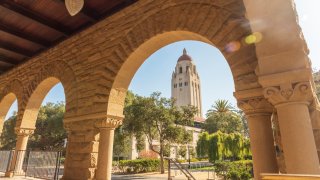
{"x":93,"y":159}
{"x":299,"y":92}
{"x":109,"y":122}
{"x":24,"y":131}
{"x":255,"y":105}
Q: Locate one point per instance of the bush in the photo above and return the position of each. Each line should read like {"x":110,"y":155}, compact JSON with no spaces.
{"x":139,"y":165}
{"x":147,"y":154}
{"x":236,"y":170}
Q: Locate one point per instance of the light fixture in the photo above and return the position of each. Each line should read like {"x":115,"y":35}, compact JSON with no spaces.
{"x":74,"y":6}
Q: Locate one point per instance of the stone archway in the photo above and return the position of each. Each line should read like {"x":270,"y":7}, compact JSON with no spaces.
{"x":249,"y":72}
{"x":243,"y":63}
{"x":5,"y":105}
{"x":96,"y":65}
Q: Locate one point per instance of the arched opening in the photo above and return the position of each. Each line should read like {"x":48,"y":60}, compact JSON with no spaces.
{"x":40,"y":131}
{"x":32,"y":108}
{"x":7,"y":103}
{"x":239,"y":54}
{"x":8,"y":117}
{"x":242,"y":62}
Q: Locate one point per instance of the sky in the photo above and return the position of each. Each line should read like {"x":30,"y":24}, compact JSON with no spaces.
{"x":215,"y":75}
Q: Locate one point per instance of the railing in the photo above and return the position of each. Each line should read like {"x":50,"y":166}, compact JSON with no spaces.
{"x":184,"y":170}
{"x":5,"y":158}
{"x":38,"y":164}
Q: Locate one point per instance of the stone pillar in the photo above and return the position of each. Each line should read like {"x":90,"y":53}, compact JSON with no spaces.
{"x":258,"y":112}
{"x":106,"y":128}
{"x":19,"y":153}
{"x":291,"y":102}
{"x":82,"y":150}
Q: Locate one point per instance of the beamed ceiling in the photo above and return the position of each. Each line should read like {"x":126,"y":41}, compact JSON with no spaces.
{"x":28,"y":27}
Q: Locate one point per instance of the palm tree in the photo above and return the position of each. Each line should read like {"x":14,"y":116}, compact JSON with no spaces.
{"x":221,"y":107}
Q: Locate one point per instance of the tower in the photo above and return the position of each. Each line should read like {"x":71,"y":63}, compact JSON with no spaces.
{"x":185,"y":83}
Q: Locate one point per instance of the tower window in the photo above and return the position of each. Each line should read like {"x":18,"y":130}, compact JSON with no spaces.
{"x":175,"y":85}
{"x":180,"y":70}
{"x":180,"y":84}
{"x":185,"y":83}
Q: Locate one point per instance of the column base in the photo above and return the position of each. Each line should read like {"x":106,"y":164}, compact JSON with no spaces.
{"x":9,"y":174}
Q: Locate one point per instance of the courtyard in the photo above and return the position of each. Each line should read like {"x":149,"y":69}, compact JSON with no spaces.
{"x":93,"y":49}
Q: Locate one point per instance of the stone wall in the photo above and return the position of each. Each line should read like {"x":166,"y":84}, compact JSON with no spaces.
{"x":96,"y":65}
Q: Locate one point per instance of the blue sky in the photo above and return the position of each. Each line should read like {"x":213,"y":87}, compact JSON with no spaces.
{"x":215,"y":75}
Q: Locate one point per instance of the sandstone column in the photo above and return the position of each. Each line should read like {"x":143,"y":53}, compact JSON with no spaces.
{"x":291,"y":102}
{"x":82,"y":150}
{"x":106,"y":128}
{"x":20,"y":150}
{"x":258,"y":112}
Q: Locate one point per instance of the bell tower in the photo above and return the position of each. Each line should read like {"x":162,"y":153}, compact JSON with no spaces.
{"x":185,"y":83}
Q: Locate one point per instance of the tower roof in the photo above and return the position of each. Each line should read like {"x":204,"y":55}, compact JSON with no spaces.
{"x":184,"y":56}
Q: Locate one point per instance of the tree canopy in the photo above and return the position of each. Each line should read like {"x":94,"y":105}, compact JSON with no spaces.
{"x":49,"y":133}
{"x":223,"y":117}
{"x":159,"y":120}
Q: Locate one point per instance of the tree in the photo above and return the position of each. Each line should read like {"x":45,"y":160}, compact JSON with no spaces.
{"x":220,"y":146}
{"x":182,"y":151}
{"x":49,"y":133}
{"x":318,"y":90}
{"x":220,"y":107}
{"x":159,"y":119}
{"x":244,"y":123}
{"x":223,"y":117}
{"x":227,"y":123}
{"x":202,"y":145}
{"x":121,"y":144}
{"x":8,"y":136}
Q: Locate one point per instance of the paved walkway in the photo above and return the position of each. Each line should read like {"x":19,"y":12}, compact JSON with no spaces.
{"x":145,"y":176}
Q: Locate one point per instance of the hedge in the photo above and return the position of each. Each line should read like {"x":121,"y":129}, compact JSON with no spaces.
{"x":139,"y":165}
{"x":236,"y":170}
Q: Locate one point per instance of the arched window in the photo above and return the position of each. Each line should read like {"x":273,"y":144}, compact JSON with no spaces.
{"x":180,"y":70}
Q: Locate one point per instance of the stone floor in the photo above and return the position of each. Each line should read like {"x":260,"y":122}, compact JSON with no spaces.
{"x":146,"y":176}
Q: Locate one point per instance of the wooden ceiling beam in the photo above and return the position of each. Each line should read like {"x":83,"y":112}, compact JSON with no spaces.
{"x":23,"y":35}
{"x":8,"y":60}
{"x":15,"y":49}
{"x":15,"y":7}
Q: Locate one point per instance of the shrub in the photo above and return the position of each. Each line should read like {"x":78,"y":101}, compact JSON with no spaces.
{"x":147,"y":154}
{"x":139,"y":165}
{"x":236,"y":170}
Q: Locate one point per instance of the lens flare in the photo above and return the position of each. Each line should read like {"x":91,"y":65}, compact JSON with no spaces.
{"x":253,"y":38}
{"x":232,"y":46}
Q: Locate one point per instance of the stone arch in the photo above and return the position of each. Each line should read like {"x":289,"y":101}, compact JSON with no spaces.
{"x":11,"y":92}
{"x":50,"y":75}
{"x":157,"y":29}
{"x":219,"y":23}
{"x":5,"y":105}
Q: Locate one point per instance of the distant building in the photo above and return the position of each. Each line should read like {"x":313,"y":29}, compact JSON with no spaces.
{"x":185,"y":83}
{"x":186,"y":90}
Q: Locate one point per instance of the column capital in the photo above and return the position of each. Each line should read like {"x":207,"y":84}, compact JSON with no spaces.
{"x":109,"y":122}
{"x":289,"y":93}
{"x":24,"y":131}
{"x":255,"y":106}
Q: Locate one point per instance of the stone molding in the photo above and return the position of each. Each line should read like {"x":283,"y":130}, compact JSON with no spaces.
{"x":109,"y":122}
{"x":24,"y":131}
{"x":255,"y":106}
{"x":289,"y":93}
